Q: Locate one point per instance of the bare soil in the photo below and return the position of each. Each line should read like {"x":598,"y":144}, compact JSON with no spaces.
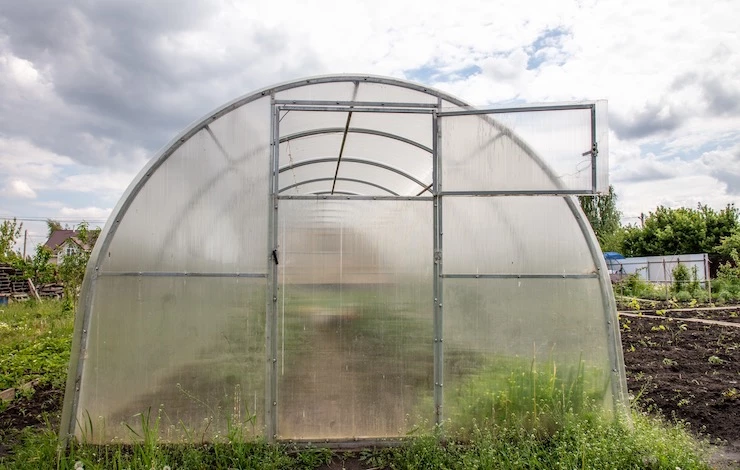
{"x":688,"y":371}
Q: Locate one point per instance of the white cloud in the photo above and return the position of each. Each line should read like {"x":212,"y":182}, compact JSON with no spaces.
{"x":89,"y":91}
{"x":20,"y":189}
{"x":84,"y":213}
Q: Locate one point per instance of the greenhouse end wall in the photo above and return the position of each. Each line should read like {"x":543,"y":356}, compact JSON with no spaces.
{"x":350,"y":258}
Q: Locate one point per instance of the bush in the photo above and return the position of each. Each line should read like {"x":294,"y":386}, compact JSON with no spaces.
{"x":683,"y":296}
{"x":681,"y":278}
{"x":635,"y":286}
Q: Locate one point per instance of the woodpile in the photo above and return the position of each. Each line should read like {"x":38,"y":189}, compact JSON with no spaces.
{"x":14,"y":286}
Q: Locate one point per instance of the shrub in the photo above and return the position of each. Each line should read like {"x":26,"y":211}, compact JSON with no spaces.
{"x":681,"y":278}
{"x":683,"y":296}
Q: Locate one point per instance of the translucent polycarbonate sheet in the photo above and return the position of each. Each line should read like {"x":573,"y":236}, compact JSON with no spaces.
{"x":537,"y":150}
{"x":190,"y":352}
{"x":355,"y":318}
{"x":397,"y":182}
{"x":333,"y":91}
{"x":513,"y":235}
{"x":507,"y":338}
{"x":205,"y":208}
{"x":292,"y":122}
{"x":414,"y":127}
{"x":381,"y":92}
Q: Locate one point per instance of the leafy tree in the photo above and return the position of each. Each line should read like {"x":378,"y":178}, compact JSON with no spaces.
{"x":72,"y":268}
{"x":604,"y":217}
{"x":53,"y":225}
{"x":679,"y":231}
{"x":668,"y":232}
{"x":38,"y":267}
{"x":10,"y":230}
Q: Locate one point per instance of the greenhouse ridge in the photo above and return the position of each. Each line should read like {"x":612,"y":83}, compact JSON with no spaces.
{"x":349,"y":257}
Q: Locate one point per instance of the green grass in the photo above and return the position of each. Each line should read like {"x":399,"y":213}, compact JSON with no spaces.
{"x":585,"y":441}
{"x":36,"y":340}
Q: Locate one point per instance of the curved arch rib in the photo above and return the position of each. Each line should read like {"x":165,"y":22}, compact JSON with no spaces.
{"x":353,"y":180}
{"x":354,"y":130}
{"x":354,"y":160}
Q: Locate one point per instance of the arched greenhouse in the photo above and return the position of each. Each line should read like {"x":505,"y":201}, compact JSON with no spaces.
{"x":349,"y":258}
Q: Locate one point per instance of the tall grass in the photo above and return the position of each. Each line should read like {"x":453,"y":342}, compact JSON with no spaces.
{"x":511,"y":392}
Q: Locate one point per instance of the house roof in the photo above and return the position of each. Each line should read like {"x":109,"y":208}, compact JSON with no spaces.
{"x":58,"y":237}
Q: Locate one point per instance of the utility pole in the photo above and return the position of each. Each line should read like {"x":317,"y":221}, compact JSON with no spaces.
{"x":642,"y":219}
{"x":25,"y":240}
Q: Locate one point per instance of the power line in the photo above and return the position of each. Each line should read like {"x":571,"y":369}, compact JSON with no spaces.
{"x":57,"y":219}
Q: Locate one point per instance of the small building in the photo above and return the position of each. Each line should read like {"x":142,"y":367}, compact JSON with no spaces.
{"x":63,"y":243}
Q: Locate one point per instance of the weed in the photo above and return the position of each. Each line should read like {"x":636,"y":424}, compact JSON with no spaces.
{"x":669,"y":362}
{"x":715,"y":360}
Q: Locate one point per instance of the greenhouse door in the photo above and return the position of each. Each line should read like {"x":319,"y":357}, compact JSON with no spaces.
{"x":352,"y":272}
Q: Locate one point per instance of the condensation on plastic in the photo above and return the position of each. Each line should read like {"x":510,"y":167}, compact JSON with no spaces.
{"x":496,"y":330}
{"x":205,"y":208}
{"x":355,"y":318}
{"x":513,"y":235}
{"x":189,"y":352}
{"x":490,"y":152}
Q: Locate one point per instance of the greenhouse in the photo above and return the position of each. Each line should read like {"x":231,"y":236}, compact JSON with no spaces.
{"x":349,"y":258}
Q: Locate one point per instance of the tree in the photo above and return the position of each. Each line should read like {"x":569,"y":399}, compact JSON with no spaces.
{"x":680,"y":231}
{"x":10,"y":230}
{"x":53,"y":225}
{"x":73,"y":266}
{"x":668,"y":232}
{"x":605,"y":219}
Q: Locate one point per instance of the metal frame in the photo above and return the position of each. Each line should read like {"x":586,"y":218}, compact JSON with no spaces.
{"x":93,"y":272}
{"x":360,"y":161}
{"x":353,"y":130}
{"x":352,"y":180}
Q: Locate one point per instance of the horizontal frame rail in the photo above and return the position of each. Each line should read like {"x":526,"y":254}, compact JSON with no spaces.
{"x":345,"y":109}
{"x":518,"y":109}
{"x":356,"y":198}
{"x":521,"y":192}
{"x":356,"y":103}
{"x":521,"y":276}
{"x":178,"y":274}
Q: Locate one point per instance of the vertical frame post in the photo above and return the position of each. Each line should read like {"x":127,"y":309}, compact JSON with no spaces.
{"x":594,"y":152}
{"x":437,"y":269}
{"x":271,"y":326}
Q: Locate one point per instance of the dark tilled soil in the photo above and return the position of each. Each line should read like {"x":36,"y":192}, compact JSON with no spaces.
{"x":690,"y":371}
{"x":45,"y":406}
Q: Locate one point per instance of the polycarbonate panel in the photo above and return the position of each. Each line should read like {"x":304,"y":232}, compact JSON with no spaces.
{"x":292,"y":122}
{"x":188,"y":351}
{"x":205,"y":208}
{"x":355,"y":318}
{"x":538,"y":150}
{"x":307,"y":148}
{"x":503,"y":335}
{"x":405,"y":157}
{"x":380,"y":92}
{"x":333,"y":91}
{"x":398,"y":183}
{"x":415,"y":127}
{"x":513,"y":235}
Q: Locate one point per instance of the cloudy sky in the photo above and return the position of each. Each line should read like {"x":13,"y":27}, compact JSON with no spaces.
{"x":90,"y":90}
